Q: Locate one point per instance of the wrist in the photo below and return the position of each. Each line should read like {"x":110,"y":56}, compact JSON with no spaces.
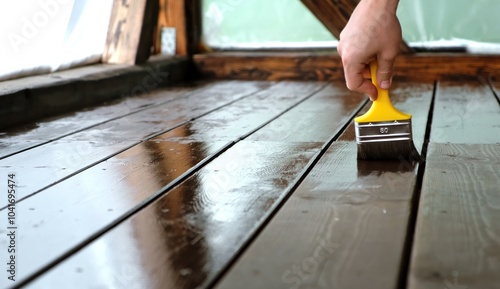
{"x":389,"y":5}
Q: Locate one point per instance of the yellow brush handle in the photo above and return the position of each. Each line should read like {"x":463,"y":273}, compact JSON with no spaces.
{"x":382,"y":108}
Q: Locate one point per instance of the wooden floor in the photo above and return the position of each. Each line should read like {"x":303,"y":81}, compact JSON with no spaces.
{"x":241,"y":184}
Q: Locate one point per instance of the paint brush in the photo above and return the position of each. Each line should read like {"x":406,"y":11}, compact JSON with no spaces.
{"x":384,"y":132}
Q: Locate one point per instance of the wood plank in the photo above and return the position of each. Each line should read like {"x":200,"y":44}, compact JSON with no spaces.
{"x":345,"y":225}
{"x":334,"y":14}
{"x":188,"y":235}
{"x":98,"y":196}
{"x":323,"y":112}
{"x":50,"y":129}
{"x":456,"y":235}
{"x":424,"y":67}
{"x":130,"y":33}
{"x":184,"y":239}
{"x":139,"y":167}
{"x":465,"y":113}
{"x":172,"y":14}
{"x":55,"y":161}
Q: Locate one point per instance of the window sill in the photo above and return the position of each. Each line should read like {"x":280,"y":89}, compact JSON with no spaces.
{"x":31,"y":98}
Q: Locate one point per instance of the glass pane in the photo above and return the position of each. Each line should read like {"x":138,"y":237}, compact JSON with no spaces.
{"x":465,"y":23}
{"x":262,"y":24}
{"x":48,"y":35}
{"x":472,"y":25}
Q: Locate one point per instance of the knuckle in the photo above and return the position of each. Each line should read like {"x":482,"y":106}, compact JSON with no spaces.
{"x":352,"y":84}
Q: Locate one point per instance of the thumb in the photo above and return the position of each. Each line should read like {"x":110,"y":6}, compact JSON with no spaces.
{"x":384,"y":72}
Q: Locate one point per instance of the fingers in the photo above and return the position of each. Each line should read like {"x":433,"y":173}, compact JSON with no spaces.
{"x":367,"y":87}
{"x":366,"y":73}
{"x":357,"y":79}
{"x":384,"y":72}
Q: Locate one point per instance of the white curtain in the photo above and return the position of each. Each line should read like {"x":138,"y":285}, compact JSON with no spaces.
{"x":40,"y":36}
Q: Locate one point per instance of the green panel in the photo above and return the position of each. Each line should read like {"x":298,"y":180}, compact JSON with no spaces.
{"x":238,"y":22}
{"x":430,"y":20}
{"x":254,"y":23}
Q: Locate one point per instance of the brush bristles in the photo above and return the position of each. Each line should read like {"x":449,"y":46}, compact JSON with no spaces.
{"x":395,"y":150}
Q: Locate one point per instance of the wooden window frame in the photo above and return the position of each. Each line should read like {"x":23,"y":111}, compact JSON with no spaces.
{"x":327,"y":65}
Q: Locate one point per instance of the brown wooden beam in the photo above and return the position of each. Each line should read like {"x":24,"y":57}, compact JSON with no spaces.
{"x":172,"y":13}
{"x":130,"y":32}
{"x":328,"y":66}
{"x":193,"y":26}
{"x":334,"y":14}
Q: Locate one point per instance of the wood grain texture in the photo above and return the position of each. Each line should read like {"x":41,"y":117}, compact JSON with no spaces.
{"x":465,"y":113}
{"x":98,"y":196}
{"x":312,"y":119}
{"x":344,"y":226}
{"x":172,"y":13}
{"x":328,"y":66}
{"x":157,"y":162}
{"x":185,"y":238}
{"x":334,"y":14}
{"x":457,"y":238}
{"x":50,"y":129}
{"x":457,"y":234}
{"x":130,"y":34}
{"x":50,"y":163}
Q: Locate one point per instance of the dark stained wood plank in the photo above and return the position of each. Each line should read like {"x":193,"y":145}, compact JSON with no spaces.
{"x":345,"y":225}
{"x":310,"y":120}
{"x":130,"y":34}
{"x":129,"y":167}
{"x":55,"y":161}
{"x":98,"y":196}
{"x":184,"y":239}
{"x":50,"y":129}
{"x":465,"y":113}
{"x":456,"y":235}
{"x":335,"y":14}
{"x":328,"y":66}
{"x":203,"y":221}
{"x":249,"y":114}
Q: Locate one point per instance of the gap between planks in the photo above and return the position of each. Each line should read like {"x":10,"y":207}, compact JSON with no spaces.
{"x":359,"y":219}
{"x":166,"y":196}
{"x":456,"y":237}
{"x":290,"y":102}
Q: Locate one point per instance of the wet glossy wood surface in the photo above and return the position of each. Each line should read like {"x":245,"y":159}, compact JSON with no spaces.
{"x":232,"y":194}
{"x":345,"y":226}
{"x":44,"y":131}
{"x":457,"y":240}
{"x":48,"y":164}
{"x":256,"y":185}
{"x":283,"y":95}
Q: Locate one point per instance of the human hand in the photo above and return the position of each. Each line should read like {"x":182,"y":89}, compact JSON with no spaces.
{"x":372,"y":33}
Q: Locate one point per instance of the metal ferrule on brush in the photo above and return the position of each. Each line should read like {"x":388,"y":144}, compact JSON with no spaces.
{"x":383,"y":131}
